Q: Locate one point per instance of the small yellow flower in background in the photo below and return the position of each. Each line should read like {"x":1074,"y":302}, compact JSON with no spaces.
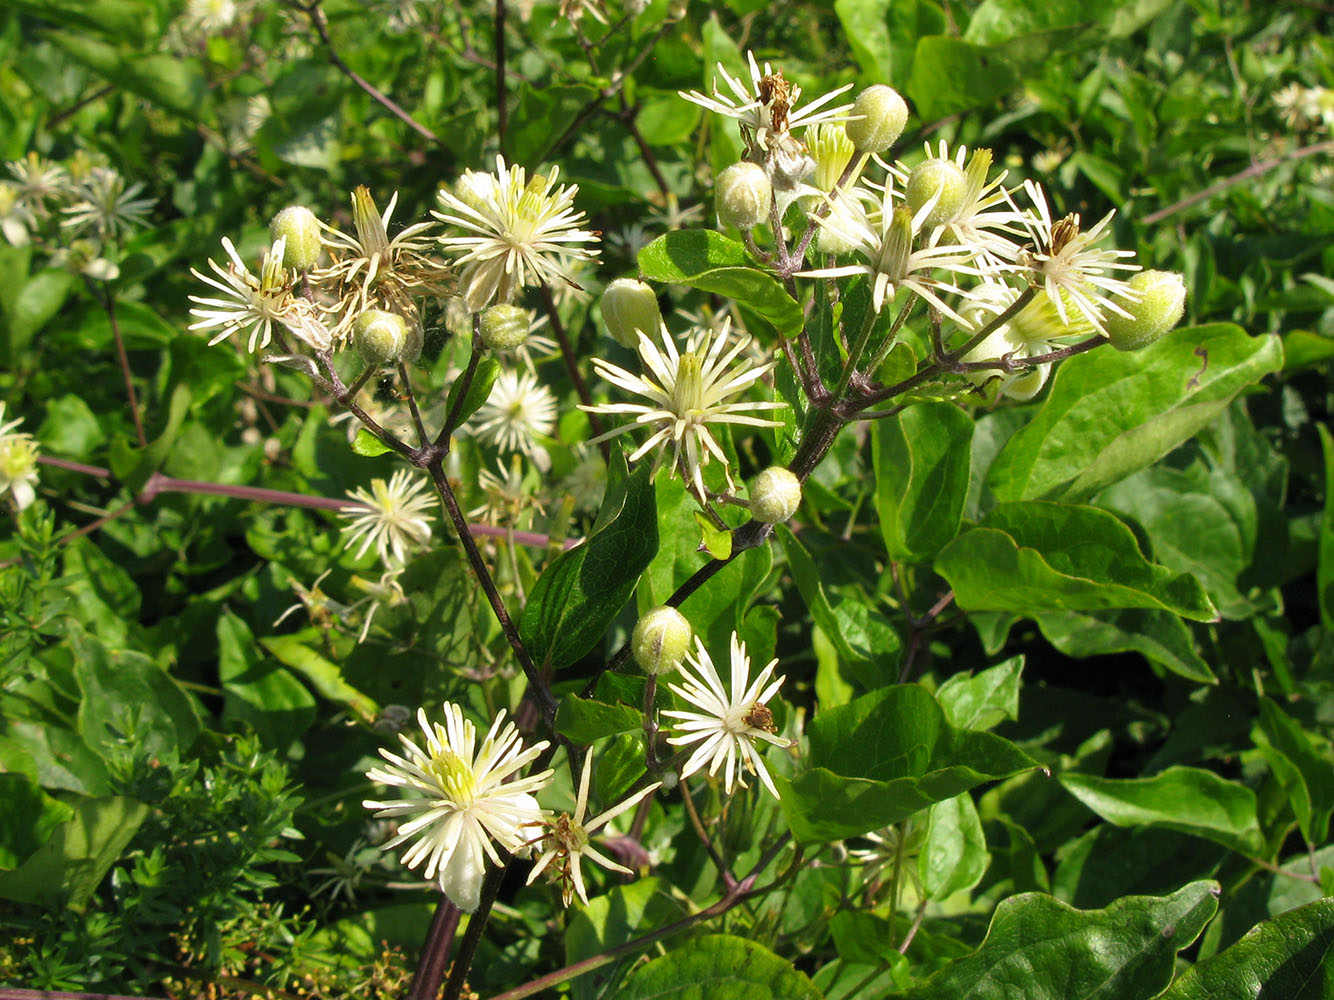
{"x":391,"y":516}
{"x":565,"y":842}
{"x":730,"y":723}
{"x":519,"y":232}
{"x":460,"y":799}
{"x":687,"y":391}
{"x":18,"y":462}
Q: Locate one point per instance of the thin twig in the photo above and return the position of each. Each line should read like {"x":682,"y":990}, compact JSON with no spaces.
{"x":108,"y":301}
{"x":572,"y":365}
{"x":317,"y":19}
{"x":1254,"y":170}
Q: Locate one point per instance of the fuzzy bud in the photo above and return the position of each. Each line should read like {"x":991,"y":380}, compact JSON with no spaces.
{"x":775,"y":495}
{"x":743,"y":195}
{"x":878,"y":117}
{"x":302,"y":230}
{"x":660,"y":640}
{"x":504,"y":327}
{"x":629,"y":307}
{"x":379,"y":336}
{"x":1162,"y":301}
{"x":942,"y":180}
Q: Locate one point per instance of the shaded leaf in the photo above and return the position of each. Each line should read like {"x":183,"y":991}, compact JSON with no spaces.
{"x":720,"y":967}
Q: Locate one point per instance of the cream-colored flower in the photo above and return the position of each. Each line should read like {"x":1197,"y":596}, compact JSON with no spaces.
{"x":517,"y":415}
{"x":730,"y":722}
{"x":565,"y":840}
{"x":1074,"y":272}
{"x":253,"y":303}
{"x":18,"y":462}
{"x":105,"y":205}
{"x":518,"y":232}
{"x":767,"y":111}
{"x":392,"y":516}
{"x":460,"y":799}
{"x":687,"y":391}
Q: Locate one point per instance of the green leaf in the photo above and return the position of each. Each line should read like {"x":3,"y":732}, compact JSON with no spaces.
{"x":1303,"y":349}
{"x":1110,"y":412}
{"x":716,"y":541}
{"x":126,"y":696}
{"x":720,"y":967}
{"x":950,"y":75}
{"x":1290,"y":957}
{"x":954,"y":854}
{"x":620,"y":914}
{"x":1325,"y":565}
{"x":1305,"y":774}
{"x":133,"y":466}
{"x":1041,"y":949}
{"x":70,"y":428}
{"x":983,"y":700}
{"x":883,"y":757}
{"x":121,"y":20}
{"x":583,"y":589}
{"x":172,"y":82}
{"x":704,"y":259}
{"x":1160,"y":636}
{"x":583,"y":720}
{"x":1039,"y":556}
{"x":862,"y":938}
{"x":67,"y":868}
{"x":323,"y":675}
{"x":865,"y":26}
{"x":28,"y":817}
{"x":367,"y":445}
{"x":488,"y":369}
{"x":865,"y":639}
{"x":258,"y":691}
{"x":36,"y":302}
{"x":923,"y":460}
{"x":1187,"y":799}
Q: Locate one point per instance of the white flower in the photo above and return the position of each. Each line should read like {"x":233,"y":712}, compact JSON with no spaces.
{"x":1070,"y":268}
{"x":390,"y":517}
{"x":18,"y":462}
{"x":520,"y":232}
{"x":106,"y":205}
{"x":730,"y":724}
{"x":565,"y":842}
{"x":375,"y":270}
{"x":252,"y":303}
{"x":767,"y":111}
{"x":687,"y":390}
{"x":886,"y":238}
{"x":16,"y":219}
{"x":39,"y":181}
{"x":460,"y":800}
{"x":518,"y":412}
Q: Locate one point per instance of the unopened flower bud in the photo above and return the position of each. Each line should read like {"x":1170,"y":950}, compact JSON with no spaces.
{"x":628,"y":308}
{"x":302,"y":230}
{"x":878,"y":117}
{"x":1162,"y":301}
{"x":744,"y":195}
{"x":775,"y":495}
{"x":504,"y":327}
{"x":942,"y":180}
{"x":660,"y":640}
{"x":379,"y":336}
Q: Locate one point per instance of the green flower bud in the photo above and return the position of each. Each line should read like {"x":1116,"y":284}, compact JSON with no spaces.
{"x":942,"y":180}
{"x":629,"y":306}
{"x":302,"y":229}
{"x":775,"y":495}
{"x":504,"y":327}
{"x":660,"y":640}
{"x":878,"y":117}
{"x":379,"y":336}
{"x":1162,"y":301}
{"x":743,"y":194}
